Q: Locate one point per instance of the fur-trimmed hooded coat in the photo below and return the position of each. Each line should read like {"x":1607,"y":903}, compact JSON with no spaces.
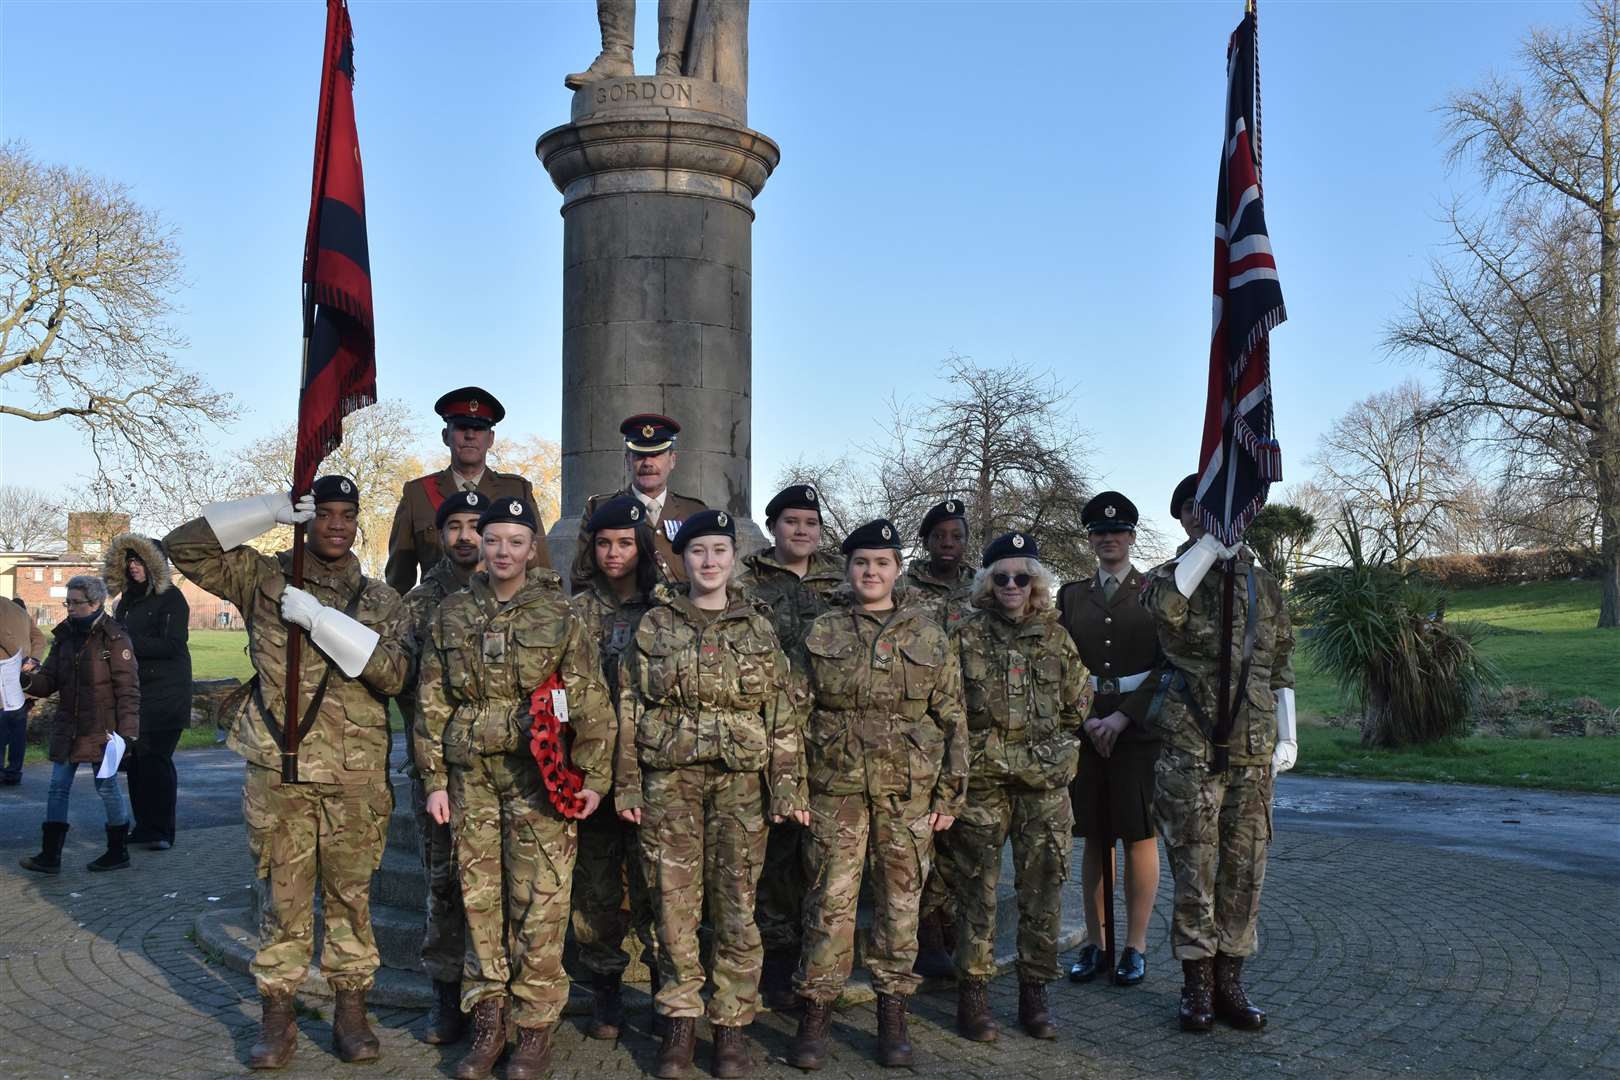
{"x":156,"y":617}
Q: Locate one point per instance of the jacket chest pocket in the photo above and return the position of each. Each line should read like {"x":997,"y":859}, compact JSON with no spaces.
{"x":754,"y":669}
{"x":1048,"y":684}
{"x":659,"y":661}
{"x":833,"y":672}
{"x":920,"y":670}
{"x":538,"y":648}
{"x":978,"y":692}
{"x":365,"y":735}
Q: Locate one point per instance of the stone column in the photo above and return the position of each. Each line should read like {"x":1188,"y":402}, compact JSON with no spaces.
{"x":658,"y":177}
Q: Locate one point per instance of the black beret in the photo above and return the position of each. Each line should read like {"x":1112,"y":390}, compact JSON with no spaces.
{"x":502,"y":511}
{"x":649,"y":433}
{"x":704,"y":523}
{"x":945,"y":511}
{"x":874,"y":534}
{"x":462,"y":502}
{"x":1184,"y":491}
{"x":621,"y":512}
{"x":470,"y":406}
{"x":1013,"y":545}
{"x":1109,"y":511}
{"x":336,"y":488}
{"x":793,"y":497}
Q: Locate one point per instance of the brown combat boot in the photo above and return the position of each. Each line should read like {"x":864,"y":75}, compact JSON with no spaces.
{"x":607,"y":1008}
{"x":933,"y":960}
{"x":1197,"y":1008}
{"x":278,"y":1033}
{"x":810,"y":1045}
{"x":1232,"y":1002}
{"x":731,"y":1052}
{"x":973,"y":1019}
{"x":1034,"y":1014}
{"x":675,"y":1052}
{"x":488,"y":1041}
{"x":352,"y":1036}
{"x":532,"y":1058}
{"x":446,"y":1023}
{"x":894,"y":1045}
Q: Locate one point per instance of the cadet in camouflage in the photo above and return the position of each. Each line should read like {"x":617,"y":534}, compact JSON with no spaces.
{"x":493,"y":643}
{"x":886,"y":759}
{"x":1026,"y":697}
{"x":1216,"y":822}
{"x":705,"y":709}
{"x":329,"y":829}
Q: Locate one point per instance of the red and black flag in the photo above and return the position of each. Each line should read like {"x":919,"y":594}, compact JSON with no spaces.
{"x":340,"y":364}
{"x":1240,"y":459}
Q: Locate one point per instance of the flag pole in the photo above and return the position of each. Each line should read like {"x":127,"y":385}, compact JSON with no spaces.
{"x":290,"y":732}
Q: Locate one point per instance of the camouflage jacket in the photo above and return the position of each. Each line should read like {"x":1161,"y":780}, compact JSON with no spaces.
{"x":1190,"y":632}
{"x":348,"y":741}
{"x":612,"y":621}
{"x":707,"y":687}
{"x":946,"y":599}
{"x":887,"y":718}
{"x":483,"y":661}
{"x":422,"y":602}
{"x":1026,"y":696}
{"x":794,"y":601}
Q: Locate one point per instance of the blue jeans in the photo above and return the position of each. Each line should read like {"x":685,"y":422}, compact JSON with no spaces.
{"x":13,"y":741}
{"x":112,"y":796}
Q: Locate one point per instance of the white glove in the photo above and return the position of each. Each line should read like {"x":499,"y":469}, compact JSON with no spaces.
{"x":1287,"y":751}
{"x":1195,"y":562}
{"x":236,"y":522}
{"x":348,"y":642}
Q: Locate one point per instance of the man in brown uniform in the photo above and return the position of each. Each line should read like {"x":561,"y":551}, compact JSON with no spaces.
{"x":649,"y":458}
{"x":470,"y":415}
{"x":1113,"y":792}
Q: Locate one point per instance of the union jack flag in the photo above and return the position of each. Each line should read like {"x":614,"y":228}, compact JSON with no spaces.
{"x":1239,"y":458}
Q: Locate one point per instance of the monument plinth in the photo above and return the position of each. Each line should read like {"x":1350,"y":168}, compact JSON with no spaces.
{"x":658,"y":176}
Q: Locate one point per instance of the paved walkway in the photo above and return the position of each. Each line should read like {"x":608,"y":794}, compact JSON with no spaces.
{"x":1407,"y":930}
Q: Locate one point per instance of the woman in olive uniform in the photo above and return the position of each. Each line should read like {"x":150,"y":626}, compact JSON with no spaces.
{"x":886,"y":756}
{"x":708,"y":753}
{"x":1025,"y":690}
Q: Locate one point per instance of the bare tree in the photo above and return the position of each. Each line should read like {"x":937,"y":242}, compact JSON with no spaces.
{"x":29,"y":519}
{"x":540,"y":460}
{"x":85,"y":279}
{"x":848,"y":498}
{"x":1400,"y":466}
{"x":1522,"y":319}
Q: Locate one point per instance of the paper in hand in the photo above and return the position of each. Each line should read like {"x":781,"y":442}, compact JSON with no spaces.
{"x":111,"y":756}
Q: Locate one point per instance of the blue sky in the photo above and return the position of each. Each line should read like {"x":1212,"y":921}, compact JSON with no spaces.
{"x":1018,"y":182}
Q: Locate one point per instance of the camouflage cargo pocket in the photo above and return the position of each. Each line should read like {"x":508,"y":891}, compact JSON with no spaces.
{"x":365,"y":737}
{"x":659,"y":661}
{"x":976,"y":691}
{"x":833,"y":667}
{"x":743,"y":749}
{"x":538,"y":647}
{"x":753,"y":656}
{"x":830,"y":767}
{"x":259,"y":818}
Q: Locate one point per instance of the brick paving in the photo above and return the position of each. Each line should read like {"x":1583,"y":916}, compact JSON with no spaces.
{"x":1381,"y":956}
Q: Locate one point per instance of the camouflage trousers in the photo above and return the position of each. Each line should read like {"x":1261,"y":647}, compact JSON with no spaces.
{"x":444,"y":935}
{"x":703,"y":832}
{"x":780,"y":908}
{"x":1216,"y":829}
{"x":304,"y":836}
{"x":843,"y":829}
{"x":516,"y":855}
{"x":1039,"y":824}
{"x":609,"y":866}
{"x":939,"y":891}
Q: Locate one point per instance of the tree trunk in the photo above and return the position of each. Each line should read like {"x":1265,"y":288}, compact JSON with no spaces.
{"x":1609,"y":515}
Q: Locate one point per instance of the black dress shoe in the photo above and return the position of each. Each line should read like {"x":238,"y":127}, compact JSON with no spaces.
{"x":1131,"y":969}
{"x":1088,"y":966}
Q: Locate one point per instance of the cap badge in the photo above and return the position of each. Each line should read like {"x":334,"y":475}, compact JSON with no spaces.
{"x":950,"y":508}
{"x":721,"y":519}
{"x":472,"y":406}
{"x":472,"y":498}
{"x":647,"y":431}
{"x":1018,"y":540}
{"x":1109,"y":511}
{"x":635,"y":513}
{"x":887,"y":532}
{"x":516,"y":507}
{"x":346,"y":486}
{"x":810,"y":492}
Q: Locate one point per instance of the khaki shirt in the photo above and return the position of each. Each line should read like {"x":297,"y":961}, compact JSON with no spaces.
{"x":677,"y":508}
{"x":413,"y":543}
{"x":1116,"y":638}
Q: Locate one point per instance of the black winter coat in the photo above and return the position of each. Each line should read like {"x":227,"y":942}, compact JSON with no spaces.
{"x":157,"y":623}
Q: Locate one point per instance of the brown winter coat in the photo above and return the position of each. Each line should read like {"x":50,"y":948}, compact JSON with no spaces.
{"x":97,"y":686}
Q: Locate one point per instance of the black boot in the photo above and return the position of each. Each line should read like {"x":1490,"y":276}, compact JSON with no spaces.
{"x":1197,"y":1011}
{"x":447,"y":1023}
{"x":973,"y":1019}
{"x":776,"y":980}
{"x":49,"y":859}
{"x":116,"y":857}
{"x":1232,"y":1002}
{"x":894,"y":1045}
{"x":933,"y":960}
{"x":810,"y":1046}
{"x":607,"y":1008}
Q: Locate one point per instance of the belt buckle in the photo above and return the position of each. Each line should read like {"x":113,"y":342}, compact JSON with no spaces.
{"x":1109,"y":685}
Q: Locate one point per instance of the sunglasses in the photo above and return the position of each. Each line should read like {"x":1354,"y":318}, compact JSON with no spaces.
{"x":1003,"y":580}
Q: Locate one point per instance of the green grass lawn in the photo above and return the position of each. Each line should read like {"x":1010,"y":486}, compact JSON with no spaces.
{"x":219,"y":654}
{"x":1564,"y":764}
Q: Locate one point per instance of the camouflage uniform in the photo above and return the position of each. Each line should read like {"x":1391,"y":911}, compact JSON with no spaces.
{"x":886,"y":745}
{"x":1026,"y":695}
{"x":794,"y":602}
{"x":1217,"y":825}
{"x":515,"y":851}
{"x":704,"y":710}
{"x":610,"y":855}
{"x":330,"y":828}
{"x":444,"y":936}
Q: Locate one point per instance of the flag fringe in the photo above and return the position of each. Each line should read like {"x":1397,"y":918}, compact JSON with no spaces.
{"x":342,"y":301}
{"x":1267,"y":323}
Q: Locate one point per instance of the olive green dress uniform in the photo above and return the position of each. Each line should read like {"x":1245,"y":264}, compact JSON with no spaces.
{"x":708,"y":747}
{"x":610,"y":855}
{"x":1217,"y":825}
{"x":1117,"y":639}
{"x":444,"y":937}
{"x":414,"y":544}
{"x":1025,"y":691}
{"x":795,"y":603}
{"x":886,"y":747}
{"x":676,"y":509}
{"x":329,"y":829}
{"x":514,"y":850}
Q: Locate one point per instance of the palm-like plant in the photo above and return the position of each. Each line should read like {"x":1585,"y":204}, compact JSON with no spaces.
{"x":1383,"y":636}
